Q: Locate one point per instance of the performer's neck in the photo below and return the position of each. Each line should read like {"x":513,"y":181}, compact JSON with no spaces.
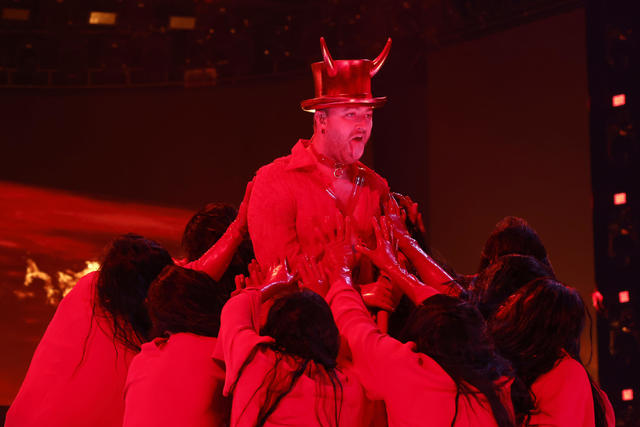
{"x":327,"y":163}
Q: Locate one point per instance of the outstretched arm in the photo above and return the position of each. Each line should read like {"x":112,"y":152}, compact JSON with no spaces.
{"x":216,"y":260}
{"x":428,"y":270}
{"x":384,"y":258}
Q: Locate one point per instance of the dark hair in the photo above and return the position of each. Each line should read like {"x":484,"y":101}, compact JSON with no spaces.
{"x":205,"y":228}
{"x":130,"y":264}
{"x":184,"y":300}
{"x":453,"y":333}
{"x":504,"y":277}
{"x":304,"y":331}
{"x":536,"y":327}
{"x":513,"y":235}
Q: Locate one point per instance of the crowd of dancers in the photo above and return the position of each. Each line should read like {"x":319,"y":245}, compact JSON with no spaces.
{"x":216,"y":339}
{"x":344,"y":319}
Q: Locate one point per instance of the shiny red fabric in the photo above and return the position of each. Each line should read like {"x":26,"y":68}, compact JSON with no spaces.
{"x":70,"y":381}
{"x":174,"y":382}
{"x":290,"y":201}
{"x":415,"y":389}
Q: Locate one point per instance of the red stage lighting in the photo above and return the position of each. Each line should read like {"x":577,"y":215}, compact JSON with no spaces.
{"x":620,"y":198}
{"x":627,"y":394}
{"x":623,"y":296}
{"x":619,"y":100}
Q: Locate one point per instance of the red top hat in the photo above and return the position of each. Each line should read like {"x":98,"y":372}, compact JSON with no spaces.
{"x":344,"y":82}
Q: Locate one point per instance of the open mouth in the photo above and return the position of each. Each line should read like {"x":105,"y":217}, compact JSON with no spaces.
{"x":358,"y":138}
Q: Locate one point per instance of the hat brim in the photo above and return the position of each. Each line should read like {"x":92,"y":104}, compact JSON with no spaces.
{"x":311,"y":105}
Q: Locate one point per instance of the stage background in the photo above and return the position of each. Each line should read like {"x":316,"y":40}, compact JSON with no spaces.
{"x":490,"y":127}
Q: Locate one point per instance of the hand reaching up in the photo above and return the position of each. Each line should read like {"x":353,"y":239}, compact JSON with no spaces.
{"x":312,"y":276}
{"x":339,"y":256}
{"x":241,"y":219}
{"x":379,"y":294}
{"x":410,"y":209}
{"x":384,"y":256}
{"x":275,"y":280}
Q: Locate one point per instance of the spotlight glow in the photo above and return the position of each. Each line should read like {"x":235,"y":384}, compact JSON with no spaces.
{"x":620,"y":198}
{"x":619,"y":100}
{"x":623,"y":297}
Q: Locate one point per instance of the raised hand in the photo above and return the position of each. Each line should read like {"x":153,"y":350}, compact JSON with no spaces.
{"x":379,"y":294}
{"x":339,"y":256}
{"x":256,"y":276}
{"x":397,"y":220}
{"x":278,"y":279}
{"x":384,"y":254}
{"x":312,"y":276}
{"x":241,"y":219}
{"x":411,"y":210}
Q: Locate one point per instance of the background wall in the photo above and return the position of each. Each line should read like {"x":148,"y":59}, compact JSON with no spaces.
{"x":507,"y":134}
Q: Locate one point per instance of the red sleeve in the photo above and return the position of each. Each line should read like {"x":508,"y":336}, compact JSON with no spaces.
{"x":216,"y":260}
{"x":238,"y":337}
{"x":272,"y":216}
{"x":378,"y":359}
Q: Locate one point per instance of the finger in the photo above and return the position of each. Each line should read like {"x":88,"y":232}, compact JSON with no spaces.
{"x":240,"y":282}
{"x":385,"y":306}
{"x":376,"y":230}
{"x":420,"y":223}
{"x":364,"y":250}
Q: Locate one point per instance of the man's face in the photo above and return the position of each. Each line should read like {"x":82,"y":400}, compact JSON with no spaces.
{"x":347,"y":132}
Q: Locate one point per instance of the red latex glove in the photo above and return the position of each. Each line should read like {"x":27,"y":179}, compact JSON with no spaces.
{"x":277,"y":279}
{"x":379,"y":294}
{"x":339,"y":256}
{"x":410,"y":209}
{"x":215,"y":261}
{"x":384,"y":255}
{"x":312,"y":276}
{"x":241,"y":219}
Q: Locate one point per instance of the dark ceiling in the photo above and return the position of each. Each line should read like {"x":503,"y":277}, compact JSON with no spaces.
{"x":51,"y":42}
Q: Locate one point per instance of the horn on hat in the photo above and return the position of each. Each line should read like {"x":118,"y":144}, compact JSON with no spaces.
{"x":328,"y":60}
{"x":377,"y":63}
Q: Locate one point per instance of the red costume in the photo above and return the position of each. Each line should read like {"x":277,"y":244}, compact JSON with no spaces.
{"x":564,"y":398}
{"x":292,"y":197}
{"x":415,"y":389}
{"x":174,"y":382}
{"x":290,"y":201}
{"x":248,"y":363}
{"x":78,"y":370}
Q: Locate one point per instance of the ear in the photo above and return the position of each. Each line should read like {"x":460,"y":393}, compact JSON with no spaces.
{"x":320,"y":117}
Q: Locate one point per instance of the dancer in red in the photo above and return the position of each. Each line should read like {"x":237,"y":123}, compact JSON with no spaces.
{"x":446,"y":373}
{"x":322,"y":176}
{"x":286,"y":372}
{"x":538,"y":329}
{"x":78,"y":371}
{"x":173,"y":381}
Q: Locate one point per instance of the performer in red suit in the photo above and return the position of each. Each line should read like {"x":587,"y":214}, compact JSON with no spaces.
{"x":293,"y":195}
